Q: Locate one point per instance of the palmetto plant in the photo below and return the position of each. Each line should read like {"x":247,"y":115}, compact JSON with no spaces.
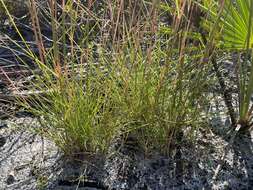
{"x":234,"y":31}
{"x":233,"y":24}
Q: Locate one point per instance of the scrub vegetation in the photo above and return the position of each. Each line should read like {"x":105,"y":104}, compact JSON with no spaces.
{"x":109,"y":69}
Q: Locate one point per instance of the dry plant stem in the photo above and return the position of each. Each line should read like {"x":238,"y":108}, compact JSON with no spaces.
{"x":118,"y":19}
{"x":23,"y":95}
{"x":183,"y":42}
{"x":56,"y":62}
{"x":37,"y":31}
{"x":8,"y":78}
{"x":226,"y":94}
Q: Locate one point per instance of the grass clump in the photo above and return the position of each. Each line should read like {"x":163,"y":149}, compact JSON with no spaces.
{"x":74,"y":115}
{"x":153,"y":101}
{"x":136,"y":82}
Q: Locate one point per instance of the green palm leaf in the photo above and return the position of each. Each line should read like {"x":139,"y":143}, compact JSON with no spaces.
{"x":233,"y":24}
